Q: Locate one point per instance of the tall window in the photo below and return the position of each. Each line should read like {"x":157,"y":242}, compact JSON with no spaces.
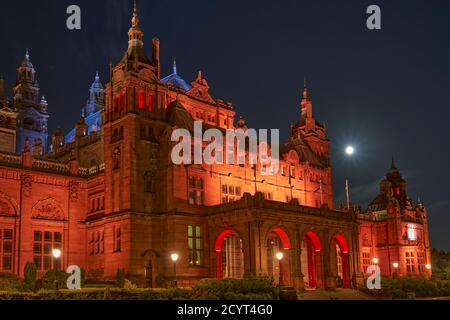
{"x":43,"y":245}
{"x":117,"y":239}
{"x":410,"y":266}
{"x":292,"y":172}
{"x":196,"y":191}
{"x":97,"y":243}
{"x":195,"y":245}
{"x":421,"y":261}
{"x":150,"y":103}
{"x":6,"y":250}
{"x":231,"y":193}
{"x":141,"y":100}
{"x":366,"y":261}
{"x":116,"y":104}
{"x":122,"y":101}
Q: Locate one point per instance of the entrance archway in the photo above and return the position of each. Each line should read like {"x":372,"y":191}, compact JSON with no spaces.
{"x":311,"y":248}
{"x":278,"y":242}
{"x":229,"y":255}
{"x":342,"y":260}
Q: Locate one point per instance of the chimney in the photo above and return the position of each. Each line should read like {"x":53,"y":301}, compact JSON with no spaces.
{"x":156,"y":61}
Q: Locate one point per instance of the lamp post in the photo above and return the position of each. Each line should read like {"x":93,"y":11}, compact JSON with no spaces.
{"x":56,"y":255}
{"x":375,"y":261}
{"x":279,"y":257}
{"x":175,"y":257}
{"x":395,"y":265}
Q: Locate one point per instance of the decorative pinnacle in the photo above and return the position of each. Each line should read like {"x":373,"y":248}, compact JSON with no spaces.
{"x":27,"y":54}
{"x":305,"y":91}
{"x":135,"y":20}
{"x":174,"y":65}
{"x":393,"y":163}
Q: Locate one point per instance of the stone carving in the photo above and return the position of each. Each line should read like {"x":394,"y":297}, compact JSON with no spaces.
{"x":7,"y":208}
{"x":116,"y":158}
{"x":73,"y":190}
{"x":27,"y":183}
{"x":47,"y":209}
{"x":200,"y":89}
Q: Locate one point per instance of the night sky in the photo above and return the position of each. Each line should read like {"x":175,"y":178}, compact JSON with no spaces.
{"x":386,"y":92}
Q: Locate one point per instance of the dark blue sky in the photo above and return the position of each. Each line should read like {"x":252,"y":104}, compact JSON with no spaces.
{"x":386,"y":92}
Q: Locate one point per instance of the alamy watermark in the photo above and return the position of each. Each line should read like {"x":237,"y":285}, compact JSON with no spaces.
{"x":240,"y":147}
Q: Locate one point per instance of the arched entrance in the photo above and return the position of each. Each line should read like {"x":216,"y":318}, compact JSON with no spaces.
{"x":342,"y":261}
{"x":229,"y":255}
{"x":278,"y":242}
{"x":311,"y":248}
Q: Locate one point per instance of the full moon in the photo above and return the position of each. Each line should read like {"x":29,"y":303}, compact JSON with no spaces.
{"x":349,"y":150}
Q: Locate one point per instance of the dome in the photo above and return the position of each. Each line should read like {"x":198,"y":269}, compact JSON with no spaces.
{"x":175,"y":80}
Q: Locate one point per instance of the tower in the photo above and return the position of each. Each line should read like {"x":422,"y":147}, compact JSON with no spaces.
{"x":96,"y":100}
{"x":92,"y":111}
{"x":32,"y":111}
{"x":134,"y":100}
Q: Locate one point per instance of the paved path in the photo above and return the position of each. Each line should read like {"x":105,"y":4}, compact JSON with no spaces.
{"x":340,"y":294}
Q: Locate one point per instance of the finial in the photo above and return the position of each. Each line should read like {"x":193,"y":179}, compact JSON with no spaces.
{"x":27,"y":54}
{"x":135,"y":20}
{"x":393,"y":163}
{"x":305,"y":90}
{"x":97,"y":77}
{"x":174,"y":65}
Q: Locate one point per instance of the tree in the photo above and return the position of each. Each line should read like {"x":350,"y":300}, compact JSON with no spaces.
{"x":120,"y":278}
{"x":30,"y":274}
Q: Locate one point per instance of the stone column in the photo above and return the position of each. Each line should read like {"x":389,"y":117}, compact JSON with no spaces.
{"x":329,"y":261}
{"x":295,"y":257}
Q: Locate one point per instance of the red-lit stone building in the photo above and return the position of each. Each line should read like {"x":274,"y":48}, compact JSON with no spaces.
{"x":110,"y":197}
{"x":395,"y":232}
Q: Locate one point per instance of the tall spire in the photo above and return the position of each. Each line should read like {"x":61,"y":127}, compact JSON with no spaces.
{"x":135,"y":19}
{"x":393,"y":163}
{"x":174,"y":65}
{"x":27,"y":54}
{"x":305,"y":91}
{"x":135,"y":34}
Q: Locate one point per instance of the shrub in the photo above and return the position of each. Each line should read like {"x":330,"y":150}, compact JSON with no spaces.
{"x":128,"y":285}
{"x":30,"y":274}
{"x":10,"y":282}
{"x":53,"y":278}
{"x":234,"y":289}
{"x":400,"y":287}
{"x":120,"y":278}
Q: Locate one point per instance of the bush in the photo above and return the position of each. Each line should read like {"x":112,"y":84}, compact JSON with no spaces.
{"x":30,"y":274}
{"x":400,"y":287}
{"x":235,"y":289}
{"x":53,"y":279}
{"x":128,"y":285}
{"x":120,"y":278}
{"x":10,"y":282}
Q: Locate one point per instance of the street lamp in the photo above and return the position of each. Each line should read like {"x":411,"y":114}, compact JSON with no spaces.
{"x":375,"y":261}
{"x":279,"y":257}
{"x":395,"y":265}
{"x":428,"y":266}
{"x":56,"y":255}
{"x":175,"y":257}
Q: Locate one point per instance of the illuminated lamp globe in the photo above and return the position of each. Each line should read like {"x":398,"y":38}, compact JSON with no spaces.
{"x":279,"y":256}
